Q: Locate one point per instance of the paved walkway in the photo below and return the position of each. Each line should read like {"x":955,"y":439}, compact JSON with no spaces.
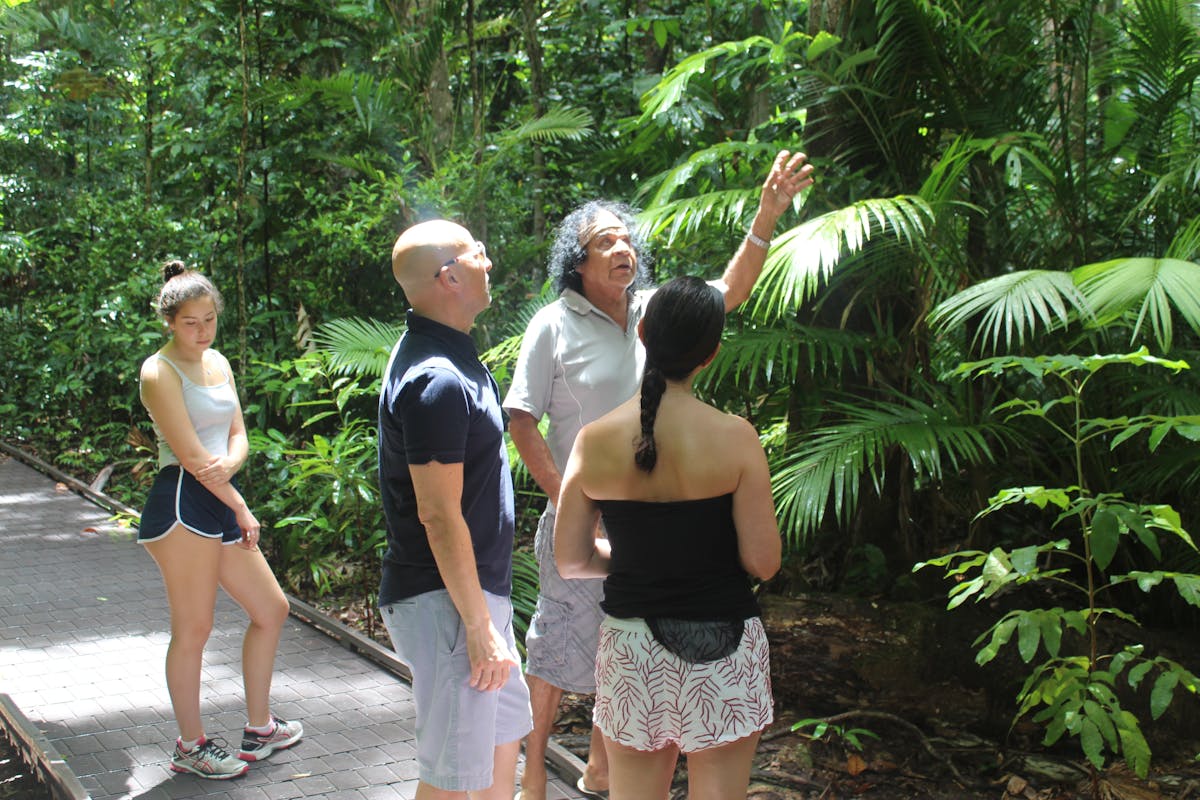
{"x":83,"y":634}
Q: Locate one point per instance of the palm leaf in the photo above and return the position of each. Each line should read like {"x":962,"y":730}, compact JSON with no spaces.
{"x":358,"y":346}
{"x":507,"y":350}
{"x":668,"y":91}
{"x":755,"y":357}
{"x":826,"y":466}
{"x":805,"y":256}
{"x":560,"y":123}
{"x":1153,"y":285}
{"x":1013,"y":305}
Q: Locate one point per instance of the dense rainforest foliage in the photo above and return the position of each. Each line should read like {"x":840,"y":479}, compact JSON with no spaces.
{"x":1008,"y":185}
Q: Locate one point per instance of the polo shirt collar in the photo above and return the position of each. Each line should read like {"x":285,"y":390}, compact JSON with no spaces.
{"x":457,"y":342}
{"x":581,"y":305}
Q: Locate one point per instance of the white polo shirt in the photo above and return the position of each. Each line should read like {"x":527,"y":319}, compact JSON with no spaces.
{"x":576,"y":365}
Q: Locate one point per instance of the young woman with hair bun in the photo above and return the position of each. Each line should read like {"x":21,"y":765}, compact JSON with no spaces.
{"x":685,"y":495}
{"x":199,"y":530}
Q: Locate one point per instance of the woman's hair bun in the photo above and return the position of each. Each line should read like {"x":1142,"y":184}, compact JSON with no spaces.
{"x":173,"y":268}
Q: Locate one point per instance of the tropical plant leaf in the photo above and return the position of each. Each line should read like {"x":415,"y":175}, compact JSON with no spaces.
{"x":804,"y":257}
{"x":1154,"y":286}
{"x":358,"y":346}
{"x":825,"y":467}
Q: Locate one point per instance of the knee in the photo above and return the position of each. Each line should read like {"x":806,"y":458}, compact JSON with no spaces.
{"x":272,"y":612}
{"x":191,"y":633}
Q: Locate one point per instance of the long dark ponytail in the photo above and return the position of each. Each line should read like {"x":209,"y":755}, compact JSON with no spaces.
{"x":682,"y":328}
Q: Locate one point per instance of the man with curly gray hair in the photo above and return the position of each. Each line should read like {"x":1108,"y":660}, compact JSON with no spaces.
{"x":581,"y":358}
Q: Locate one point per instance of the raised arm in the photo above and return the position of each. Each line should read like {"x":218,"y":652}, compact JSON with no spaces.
{"x":438,"y":489}
{"x":759,"y":546}
{"x":789,"y":176}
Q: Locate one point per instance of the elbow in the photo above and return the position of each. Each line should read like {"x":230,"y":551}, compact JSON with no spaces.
{"x":763,"y":566}
{"x":569,"y":567}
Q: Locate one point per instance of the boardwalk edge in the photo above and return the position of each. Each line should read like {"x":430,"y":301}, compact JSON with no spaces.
{"x":39,"y":754}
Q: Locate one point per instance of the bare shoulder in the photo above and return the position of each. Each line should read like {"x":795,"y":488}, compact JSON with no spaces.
{"x":152,"y":369}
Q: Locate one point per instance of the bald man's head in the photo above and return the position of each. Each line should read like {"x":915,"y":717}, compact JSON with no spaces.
{"x":420,"y":252}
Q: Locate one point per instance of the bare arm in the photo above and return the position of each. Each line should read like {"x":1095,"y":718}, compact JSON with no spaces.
{"x":789,"y":176}
{"x":759,"y":546}
{"x":578,"y":552}
{"x":162,"y":394}
{"x":438,"y":488}
{"x":220,"y":469}
{"x":535,"y":452}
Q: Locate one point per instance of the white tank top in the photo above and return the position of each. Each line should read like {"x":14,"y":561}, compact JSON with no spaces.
{"x":211,"y":410}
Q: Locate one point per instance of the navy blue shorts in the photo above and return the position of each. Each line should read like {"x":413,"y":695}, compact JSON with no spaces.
{"x":177,"y":498}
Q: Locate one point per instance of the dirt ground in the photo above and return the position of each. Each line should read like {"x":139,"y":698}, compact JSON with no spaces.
{"x":929,"y":722}
{"x":911,"y":716}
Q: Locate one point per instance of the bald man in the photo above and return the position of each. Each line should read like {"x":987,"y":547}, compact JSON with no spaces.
{"x":448,"y":501}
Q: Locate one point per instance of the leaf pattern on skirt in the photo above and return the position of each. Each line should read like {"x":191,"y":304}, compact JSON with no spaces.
{"x":648,"y":698}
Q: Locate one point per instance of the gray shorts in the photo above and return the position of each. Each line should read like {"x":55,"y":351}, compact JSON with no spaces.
{"x":458,"y":728}
{"x":560,"y":647}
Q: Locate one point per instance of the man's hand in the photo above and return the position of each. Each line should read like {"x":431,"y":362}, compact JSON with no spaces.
{"x":491,"y":661}
{"x":789,"y":175}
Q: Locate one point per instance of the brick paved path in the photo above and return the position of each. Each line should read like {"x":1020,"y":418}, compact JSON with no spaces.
{"x":83,"y":635}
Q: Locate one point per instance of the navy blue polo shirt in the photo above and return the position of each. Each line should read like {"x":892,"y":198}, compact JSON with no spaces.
{"x":440,"y":403}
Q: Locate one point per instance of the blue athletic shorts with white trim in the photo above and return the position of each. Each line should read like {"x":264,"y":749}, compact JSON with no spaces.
{"x":177,"y":498}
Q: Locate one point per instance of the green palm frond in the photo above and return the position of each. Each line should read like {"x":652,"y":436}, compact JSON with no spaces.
{"x":1186,"y":244}
{"x":506,"y":351}
{"x":826,"y":467}
{"x":756,"y":357}
{"x":668,"y":91}
{"x":358,"y":346}
{"x":805,"y":256}
{"x":1013,"y":305}
{"x":559,"y":123}
{"x":1153,"y":285}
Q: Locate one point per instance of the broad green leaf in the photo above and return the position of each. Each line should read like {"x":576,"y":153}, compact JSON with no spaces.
{"x":1188,"y":587}
{"x":1133,"y":744}
{"x":1104,"y":537}
{"x":1161,"y":694}
{"x":1029,"y":633}
{"x":1092,"y":743}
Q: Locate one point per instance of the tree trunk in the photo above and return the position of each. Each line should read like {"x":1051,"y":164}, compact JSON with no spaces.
{"x":533,"y":46}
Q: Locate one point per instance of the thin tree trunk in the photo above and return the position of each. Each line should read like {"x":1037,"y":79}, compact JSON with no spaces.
{"x":533,"y":46}
{"x":148,"y":177}
{"x":238,"y":203}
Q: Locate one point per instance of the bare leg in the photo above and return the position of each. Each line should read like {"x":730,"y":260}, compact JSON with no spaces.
{"x":504,"y":773}
{"x":595,"y":772}
{"x":543,"y":699}
{"x":504,"y":776}
{"x":640,"y":775}
{"x":721,"y":773}
{"x":248,"y":579}
{"x":189,"y":566}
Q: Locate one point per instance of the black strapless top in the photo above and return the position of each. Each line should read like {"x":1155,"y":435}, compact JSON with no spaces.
{"x":675,"y":559}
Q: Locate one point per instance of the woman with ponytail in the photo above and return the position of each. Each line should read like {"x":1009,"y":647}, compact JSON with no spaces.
{"x":685,"y":496}
{"x":199,"y":530}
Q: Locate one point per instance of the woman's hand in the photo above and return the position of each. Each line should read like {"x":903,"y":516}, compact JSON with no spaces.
{"x":217,"y":472}
{"x":250,"y":529}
